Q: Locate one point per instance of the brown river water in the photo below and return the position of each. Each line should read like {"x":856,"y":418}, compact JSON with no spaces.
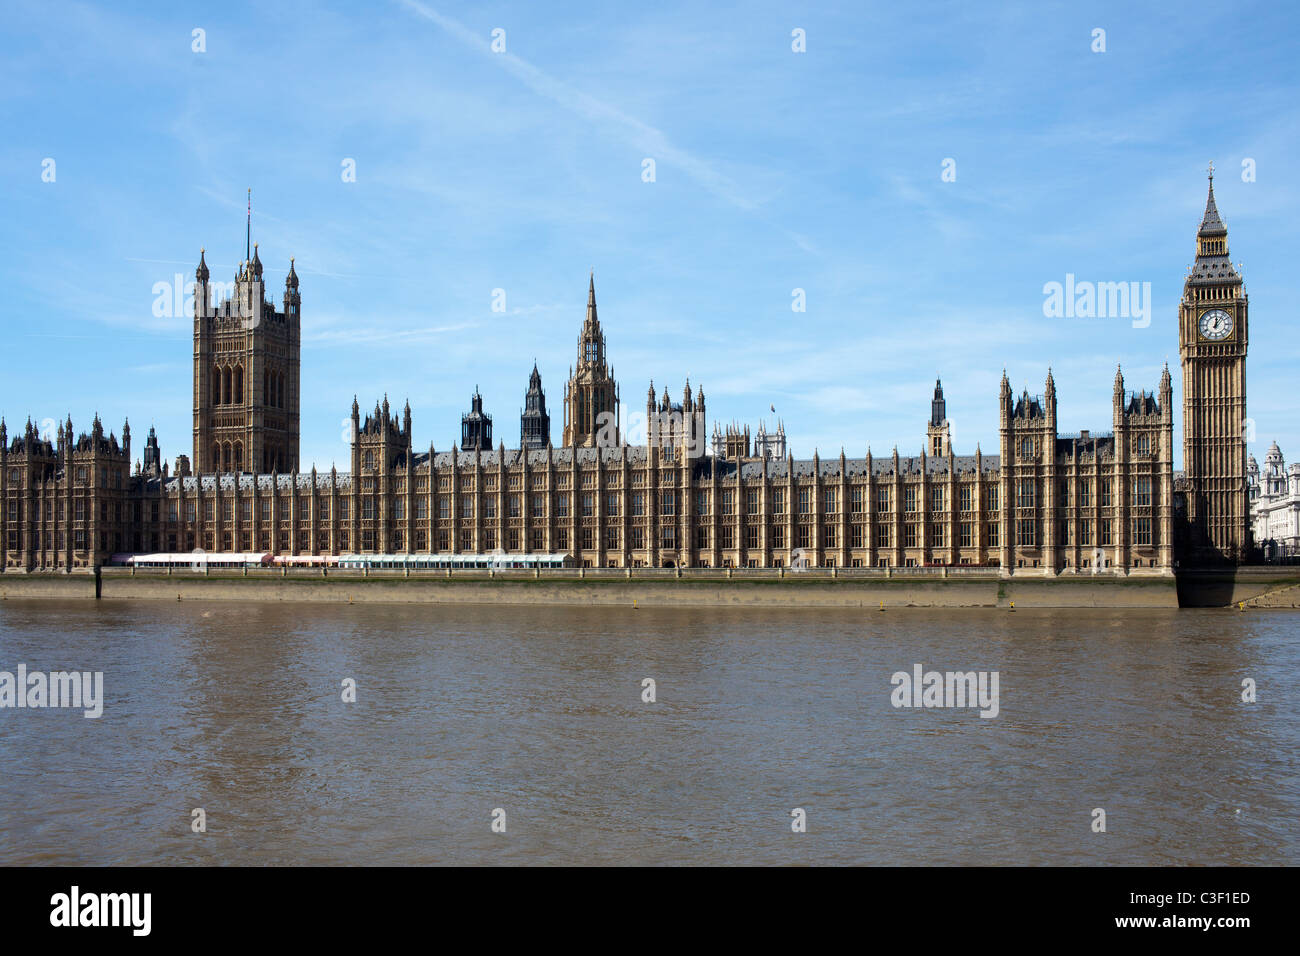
{"x":460,"y":710}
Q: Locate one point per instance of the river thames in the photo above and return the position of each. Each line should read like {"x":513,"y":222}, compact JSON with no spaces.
{"x":460,"y":711}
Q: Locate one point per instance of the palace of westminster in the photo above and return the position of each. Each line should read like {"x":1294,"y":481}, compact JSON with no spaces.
{"x":1046,"y":504}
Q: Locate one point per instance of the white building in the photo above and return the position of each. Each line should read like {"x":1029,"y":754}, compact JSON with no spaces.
{"x":1275,"y":504}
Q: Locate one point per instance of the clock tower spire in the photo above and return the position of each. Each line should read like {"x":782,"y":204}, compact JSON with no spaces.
{"x":1212,"y":327}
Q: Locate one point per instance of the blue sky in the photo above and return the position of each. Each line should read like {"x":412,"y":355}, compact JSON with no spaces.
{"x":521,"y":170}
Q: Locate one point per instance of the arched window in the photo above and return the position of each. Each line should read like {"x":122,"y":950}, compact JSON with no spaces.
{"x":216,"y":457}
{"x":238,"y":460}
{"x":216,"y":385}
{"x":237,"y":396}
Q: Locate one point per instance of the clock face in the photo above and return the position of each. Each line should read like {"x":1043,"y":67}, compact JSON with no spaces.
{"x":1215,"y":325}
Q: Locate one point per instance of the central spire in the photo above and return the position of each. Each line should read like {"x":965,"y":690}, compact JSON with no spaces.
{"x":591,"y":301}
{"x":591,"y":396}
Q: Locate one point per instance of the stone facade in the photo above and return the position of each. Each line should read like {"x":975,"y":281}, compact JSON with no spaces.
{"x":1045,"y":504}
{"x":1275,"y":504}
{"x":1048,"y":501}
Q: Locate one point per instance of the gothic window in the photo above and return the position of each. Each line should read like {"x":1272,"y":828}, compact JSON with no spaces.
{"x":1025,"y":493}
{"x":1142,"y":492}
{"x":1142,"y":531}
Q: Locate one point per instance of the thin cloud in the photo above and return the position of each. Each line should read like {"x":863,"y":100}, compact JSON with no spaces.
{"x":653,"y":141}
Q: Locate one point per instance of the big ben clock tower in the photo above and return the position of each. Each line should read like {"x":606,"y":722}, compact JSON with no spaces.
{"x":1212,"y":327}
